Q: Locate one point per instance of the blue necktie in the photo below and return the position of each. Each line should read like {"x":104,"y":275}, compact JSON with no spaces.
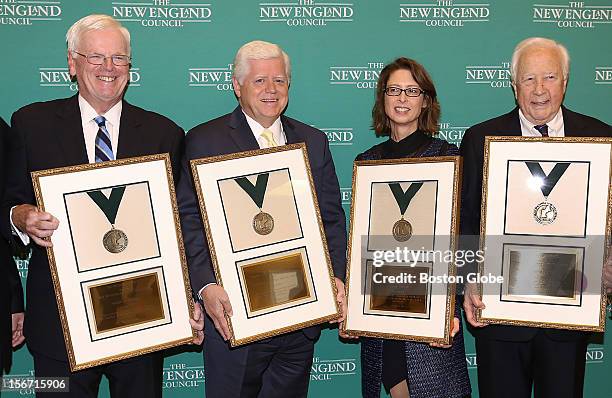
{"x":104,"y":149}
{"x":543,"y":129}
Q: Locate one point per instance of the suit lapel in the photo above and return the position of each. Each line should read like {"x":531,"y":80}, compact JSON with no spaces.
{"x":70,"y":132}
{"x":571,"y":127}
{"x":240,"y":131}
{"x":130,"y":143}
{"x":291,"y":133}
{"x":511,"y":124}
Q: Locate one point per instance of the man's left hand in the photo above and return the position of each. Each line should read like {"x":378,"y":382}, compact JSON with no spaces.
{"x":17,"y":329}
{"x":197,"y":323}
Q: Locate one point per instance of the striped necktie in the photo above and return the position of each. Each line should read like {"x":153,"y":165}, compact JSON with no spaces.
{"x":104,"y":149}
{"x":269,"y":137}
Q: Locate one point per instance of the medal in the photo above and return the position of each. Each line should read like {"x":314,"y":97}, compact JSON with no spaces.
{"x":402,"y":229}
{"x":545,"y":213}
{"x":263,"y":223}
{"x":115,"y":240}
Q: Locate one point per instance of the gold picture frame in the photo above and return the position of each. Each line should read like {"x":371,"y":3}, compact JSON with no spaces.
{"x":413,"y":310}
{"x":132,"y":224}
{"x":550,"y":254}
{"x":265,"y":234}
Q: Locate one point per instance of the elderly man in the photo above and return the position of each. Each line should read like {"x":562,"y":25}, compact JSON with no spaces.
{"x":511,"y":359}
{"x":95,"y":125}
{"x":280,"y":366}
{"x":11,"y":294}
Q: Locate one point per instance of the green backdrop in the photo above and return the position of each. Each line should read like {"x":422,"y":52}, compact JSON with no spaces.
{"x":182,"y":68}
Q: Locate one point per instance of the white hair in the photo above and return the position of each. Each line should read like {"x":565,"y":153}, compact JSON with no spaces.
{"x":539,"y":42}
{"x":94,"y":22}
{"x":258,"y":50}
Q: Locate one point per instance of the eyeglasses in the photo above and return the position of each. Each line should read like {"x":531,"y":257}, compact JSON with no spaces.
{"x":98,"y":59}
{"x":410,"y":91}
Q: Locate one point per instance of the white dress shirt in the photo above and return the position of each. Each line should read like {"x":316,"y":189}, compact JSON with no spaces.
{"x":276,"y":128}
{"x":555,"y":126}
{"x":90,"y":130}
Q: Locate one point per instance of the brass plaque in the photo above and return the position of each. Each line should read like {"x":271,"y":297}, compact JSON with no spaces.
{"x":540,"y":273}
{"x":399,"y":297}
{"x":274,"y":282}
{"x":127,"y":302}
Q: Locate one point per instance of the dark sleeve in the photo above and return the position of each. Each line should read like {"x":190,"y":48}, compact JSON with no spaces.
{"x":18,"y":188}
{"x":198,"y":257}
{"x":177,"y":148}
{"x":14,"y":281}
{"x":332,"y":214}
{"x":471,"y":189}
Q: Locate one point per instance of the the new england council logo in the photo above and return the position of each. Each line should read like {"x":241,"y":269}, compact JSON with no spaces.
{"x":491,"y":75}
{"x":595,"y":355}
{"x":470,"y":359}
{"x":575,"y":14}
{"x":181,"y":376}
{"x":60,"y":77}
{"x":345,"y":195}
{"x":451,"y":133}
{"x":603,"y":75}
{"x":306,"y":12}
{"x":217,"y":78}
{"x":338,"y":136}
{"x":25,"y":12}
{"x":328,"y":369}
{"x":443,"y":13}
{"x":357,"y":76}
{"x":163,"y":13}
{"x":22,"y":268}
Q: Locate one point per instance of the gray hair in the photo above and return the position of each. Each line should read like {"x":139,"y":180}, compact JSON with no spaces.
{"x":540,"y":42}
{"x":94,"y":22}
{"x":258,"y":50}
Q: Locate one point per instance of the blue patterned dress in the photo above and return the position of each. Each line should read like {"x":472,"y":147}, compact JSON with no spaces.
{"x":431,"y":372}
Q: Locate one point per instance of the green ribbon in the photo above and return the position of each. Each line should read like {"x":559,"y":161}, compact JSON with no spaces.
{"x":110,"y":205}
{"x":548,"y":181}
{"x":257,"y":191}
{"x":403,"y":198}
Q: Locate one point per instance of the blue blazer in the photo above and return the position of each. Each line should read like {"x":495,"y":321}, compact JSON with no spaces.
{"x":229,"y":134}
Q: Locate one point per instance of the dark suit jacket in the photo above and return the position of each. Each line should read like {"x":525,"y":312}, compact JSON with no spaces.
{"x":48,"y":135}
{"x":11,"y":294}
{"x":472,"y":150}
{"x":231,"y":133}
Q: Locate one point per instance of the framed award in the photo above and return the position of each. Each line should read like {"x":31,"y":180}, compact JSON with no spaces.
{"x":401,"y":271}
{"x":266,"y":240}
{"x":546,"y":211}
{"x":117,"y":262}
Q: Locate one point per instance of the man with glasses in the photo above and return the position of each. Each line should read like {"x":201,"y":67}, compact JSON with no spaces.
{"x":95,"y":125}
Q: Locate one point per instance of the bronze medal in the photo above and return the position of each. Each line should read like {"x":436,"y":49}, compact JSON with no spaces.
{"x":545,"y":213}
{"x":402,"y":230}
{"x":263,"y":223}
{"x":115,"y":240}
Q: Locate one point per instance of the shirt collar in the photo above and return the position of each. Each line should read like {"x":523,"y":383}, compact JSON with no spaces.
{"x":88,"y":113}
{"x":276,"y":128}
{"x":555,"y":125}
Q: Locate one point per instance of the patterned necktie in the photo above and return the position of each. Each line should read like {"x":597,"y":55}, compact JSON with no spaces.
{"x":269,"y":137}
{"x":104,"y":149}
{"x":543,"y":129}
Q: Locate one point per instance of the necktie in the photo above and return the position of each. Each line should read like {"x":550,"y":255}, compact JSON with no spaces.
{"x":269,"y":137}
{"x":104,"y":149}
{"x":543,"y":129}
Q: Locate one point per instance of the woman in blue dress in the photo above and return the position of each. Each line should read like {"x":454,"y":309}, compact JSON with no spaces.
{"x":407,"y":110}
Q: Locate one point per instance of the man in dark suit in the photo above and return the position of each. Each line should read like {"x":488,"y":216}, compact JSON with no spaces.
{"x":513,"y":359}
{"x":280,"y":366}
{"x":95,"y":125}
{"x":11,"y":294}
